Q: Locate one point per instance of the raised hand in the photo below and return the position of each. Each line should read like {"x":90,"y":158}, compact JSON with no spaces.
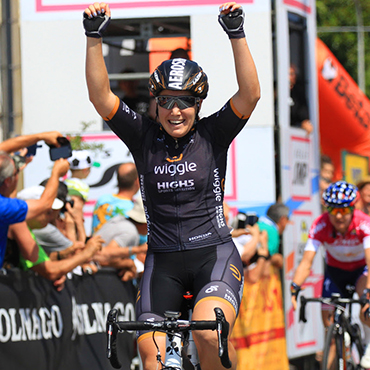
{"x":96,"y":19}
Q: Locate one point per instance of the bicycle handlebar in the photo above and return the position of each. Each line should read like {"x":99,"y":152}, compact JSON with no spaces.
{"x":168,"y":325}
{"x":334,"y":300}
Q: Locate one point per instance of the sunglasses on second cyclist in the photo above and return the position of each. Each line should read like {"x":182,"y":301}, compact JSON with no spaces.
{"x":182,"y":102}
{"x":343,"y":211}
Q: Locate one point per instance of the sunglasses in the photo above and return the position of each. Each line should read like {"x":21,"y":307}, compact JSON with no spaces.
{"x":343,"y":211}
{"x":182,"y":102}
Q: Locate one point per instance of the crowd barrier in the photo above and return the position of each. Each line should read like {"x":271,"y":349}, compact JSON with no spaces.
{"x":43,"y":329}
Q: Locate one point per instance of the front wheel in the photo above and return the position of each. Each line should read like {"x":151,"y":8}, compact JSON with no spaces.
{"x":329,"y":360}
{"x":355,"y":351}
{"x":341,"y":351}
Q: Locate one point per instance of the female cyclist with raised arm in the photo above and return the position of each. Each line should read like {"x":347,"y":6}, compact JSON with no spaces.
{"x":181,"y":161}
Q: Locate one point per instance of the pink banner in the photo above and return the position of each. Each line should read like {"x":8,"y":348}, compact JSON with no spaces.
{"x":43,"y":6}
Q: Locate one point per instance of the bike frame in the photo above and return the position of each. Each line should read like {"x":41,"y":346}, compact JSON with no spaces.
{"x":179,"y":346}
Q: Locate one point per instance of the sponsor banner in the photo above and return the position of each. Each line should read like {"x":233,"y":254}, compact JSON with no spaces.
{"x":301,"y":194}
{"x":43,"y":329}
{"x":344,"y":111}
{"x":355,"y":167}
{"x":72,"y":9}
{"x":259,"y":333}
{"x":300,"y":168}
{"x":304,"y":6}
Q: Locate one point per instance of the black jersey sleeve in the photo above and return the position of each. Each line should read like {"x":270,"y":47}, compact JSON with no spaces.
{"x":225,"y":124}
{"x":128,"y":125}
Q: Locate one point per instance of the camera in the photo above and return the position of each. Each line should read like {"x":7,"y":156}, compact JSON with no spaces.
{"x":69,"y":201}
{"x":31,"y":150}
{"x":64,"y":151}
{"x":244,"y":219}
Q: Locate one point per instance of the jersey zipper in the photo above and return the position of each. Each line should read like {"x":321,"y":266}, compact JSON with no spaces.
{"x":179,"y":226}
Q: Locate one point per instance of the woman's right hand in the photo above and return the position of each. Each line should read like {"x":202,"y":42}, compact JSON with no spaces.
{"x":96,"y":19}
{"x":97,"y":9}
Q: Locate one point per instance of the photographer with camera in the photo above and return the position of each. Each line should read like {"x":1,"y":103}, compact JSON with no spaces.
{"x":65,"y":232}
{"x":16,"y":210}
{"x":251,"y":244}
{"x":21,"y":236}
{"x":26,"y":141}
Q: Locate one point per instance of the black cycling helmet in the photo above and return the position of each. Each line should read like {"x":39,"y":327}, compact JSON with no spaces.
{"x":179,"y":74}
{"x":340,"y":194}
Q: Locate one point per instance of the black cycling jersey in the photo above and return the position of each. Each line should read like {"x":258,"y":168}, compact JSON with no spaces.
{"x":182,"y":181}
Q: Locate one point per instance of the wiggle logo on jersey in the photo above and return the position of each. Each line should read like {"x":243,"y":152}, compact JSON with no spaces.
{"x":173,"y":169}
{"x":175,"y":159}
{"x":218,"y":185}
{"x":235,"y":272}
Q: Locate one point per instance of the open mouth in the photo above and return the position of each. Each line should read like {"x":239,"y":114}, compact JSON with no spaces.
{"x":177,"y":122}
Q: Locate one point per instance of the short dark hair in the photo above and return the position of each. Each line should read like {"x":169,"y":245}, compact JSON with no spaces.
{"x":325,"y":159}
{"x":126,"y":179}
{"x":180,"y":53}
{"x":62,"y":190}
{"x":277,"y":211}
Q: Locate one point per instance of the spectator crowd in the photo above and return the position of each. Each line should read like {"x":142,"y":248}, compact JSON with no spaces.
{"x":42,"y":227}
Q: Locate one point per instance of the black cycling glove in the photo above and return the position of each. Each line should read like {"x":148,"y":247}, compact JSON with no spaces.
{"x":232,"y":23}
{"x":295,"y":289}
{"x":94,"y":27}
{"x":366,"y":298}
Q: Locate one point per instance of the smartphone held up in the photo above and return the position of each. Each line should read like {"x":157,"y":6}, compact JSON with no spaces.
{"x":64,"y":151}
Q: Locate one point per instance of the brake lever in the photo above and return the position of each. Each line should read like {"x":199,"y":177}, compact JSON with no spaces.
{"x":112,"y":339}
{"x":302,"y":310}
{"x":222,"y":335}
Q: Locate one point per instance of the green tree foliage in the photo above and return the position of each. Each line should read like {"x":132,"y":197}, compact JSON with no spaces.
{"x":342,"y":13}
{"x":77,"y":142}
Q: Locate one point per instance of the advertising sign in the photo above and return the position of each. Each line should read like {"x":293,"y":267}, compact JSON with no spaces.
{"x":42,"y":328}
{"x":304,"y":5}
{"x":300,"y":194}
{"x":355,"y":167}
{"x":72,"y":9}
{"x":344,"y":114}
{"x":299,"y":158}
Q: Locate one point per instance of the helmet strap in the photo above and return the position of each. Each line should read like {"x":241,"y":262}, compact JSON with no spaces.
{"x":197,"y":114}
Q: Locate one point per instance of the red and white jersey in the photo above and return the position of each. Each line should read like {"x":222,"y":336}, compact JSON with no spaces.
{"x":344,"y":252}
